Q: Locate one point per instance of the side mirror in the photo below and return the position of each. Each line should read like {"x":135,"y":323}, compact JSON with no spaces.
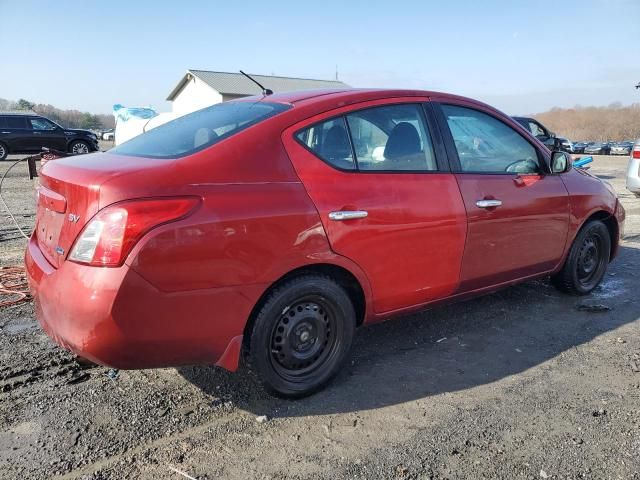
{"x":560,"y":162}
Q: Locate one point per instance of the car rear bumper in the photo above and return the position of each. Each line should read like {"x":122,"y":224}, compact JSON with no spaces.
{"x":633,"y":175}
{"x":114,"y":317}
{"x":620,"y":215}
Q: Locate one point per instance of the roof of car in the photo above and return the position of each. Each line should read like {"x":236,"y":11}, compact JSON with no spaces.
{"x":18,"y":112}
{"x":350,"y":95}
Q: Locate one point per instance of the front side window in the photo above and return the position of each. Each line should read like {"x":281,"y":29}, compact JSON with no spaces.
{"x":486,"y":145}
{"x":41,"y":124}
{"x":198,"y":130}
{"x":387,"y":138}
{"x":536,"y":130}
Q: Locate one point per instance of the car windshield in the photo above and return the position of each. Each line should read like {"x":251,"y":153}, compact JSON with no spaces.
{"x":198,"y":130}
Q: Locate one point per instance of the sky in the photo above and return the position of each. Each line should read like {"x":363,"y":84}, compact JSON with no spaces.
{"x":520,"y":56}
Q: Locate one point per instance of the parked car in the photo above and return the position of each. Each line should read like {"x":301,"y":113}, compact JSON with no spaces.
{"x":633,"y":170}
{"x":621,"y":148}
{"x":597,"y":148}
{"x":26,"y":132}
{"x":578,"y":147}
{"x":109,"y":134}
{"x":278,"y":224}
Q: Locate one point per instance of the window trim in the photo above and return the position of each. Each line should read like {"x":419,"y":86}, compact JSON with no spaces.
{"x":452,"y":151}
{"x":429,"y":123}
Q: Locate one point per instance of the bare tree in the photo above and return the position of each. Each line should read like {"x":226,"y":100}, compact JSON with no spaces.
{"x":614,"y":122}
{"x":66,"y":118}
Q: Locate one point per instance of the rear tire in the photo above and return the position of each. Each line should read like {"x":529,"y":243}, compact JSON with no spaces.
{"x":302,"y":335}
{"x":79,"y":147}
{"x":4,"y":151}
{"x":587,"y":261}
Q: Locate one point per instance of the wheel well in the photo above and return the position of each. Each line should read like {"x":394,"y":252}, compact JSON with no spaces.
{"x":342,"y":276}
{"x":612,"y":225}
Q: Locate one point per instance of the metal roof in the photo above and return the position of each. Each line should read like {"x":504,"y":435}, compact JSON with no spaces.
{"x":228,"y":83}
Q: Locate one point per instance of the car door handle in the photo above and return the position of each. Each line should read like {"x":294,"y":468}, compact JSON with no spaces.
{"x":5,"y":132}
{"x":348,"y":215}
{"x":37,"y":133}
{"x":488,"y":203}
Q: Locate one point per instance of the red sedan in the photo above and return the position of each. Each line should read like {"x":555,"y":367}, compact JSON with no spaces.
{"x":279,"y":224}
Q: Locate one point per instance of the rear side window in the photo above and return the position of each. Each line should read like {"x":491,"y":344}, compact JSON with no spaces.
{"x":330,"y":141}
{"x":387,"y":138}
{"x":486,"y":145}
{"x":199,"y":130}
{"x":16,"y":122}
{"x":391,"y":138}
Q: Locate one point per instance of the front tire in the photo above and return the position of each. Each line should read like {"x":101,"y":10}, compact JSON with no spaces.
{"x":302,"y":335}
{"x":78,"y":147}
{"x":4,"y":151}
{"x":587,"y":261}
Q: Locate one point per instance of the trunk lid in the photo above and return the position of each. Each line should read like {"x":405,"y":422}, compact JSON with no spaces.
{"x":73,"y":189}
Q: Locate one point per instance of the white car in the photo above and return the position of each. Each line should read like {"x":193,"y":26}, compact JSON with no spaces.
{"x":633,"y":171}
{"x":108,"y":135}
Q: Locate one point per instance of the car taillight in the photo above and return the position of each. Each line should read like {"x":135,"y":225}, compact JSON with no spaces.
{"x":109,"y":236}
{"x":636,"y":151}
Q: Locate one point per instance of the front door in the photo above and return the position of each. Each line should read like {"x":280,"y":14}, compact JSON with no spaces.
{"x":518,"y":214}
{"x":46,"y":134}
{"x":385,"y":199}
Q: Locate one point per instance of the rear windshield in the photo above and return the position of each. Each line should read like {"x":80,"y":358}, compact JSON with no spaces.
{"x":198,"y":130}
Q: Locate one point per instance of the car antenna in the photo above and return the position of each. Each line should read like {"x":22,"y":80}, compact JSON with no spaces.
{"x":265,"y":91}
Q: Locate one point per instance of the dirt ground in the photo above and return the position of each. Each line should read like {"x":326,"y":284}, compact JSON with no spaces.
{"x":517,"y":384}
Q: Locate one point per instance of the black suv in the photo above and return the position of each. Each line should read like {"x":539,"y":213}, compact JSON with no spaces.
{"x":543,"y":134}
{"x":24,"y":132}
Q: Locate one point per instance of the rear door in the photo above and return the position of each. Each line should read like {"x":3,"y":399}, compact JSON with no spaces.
{"x":386,"y":198}
{"x":518,"y":214}
{"x":16,"y":134}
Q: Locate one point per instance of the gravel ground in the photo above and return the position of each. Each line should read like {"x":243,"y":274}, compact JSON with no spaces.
{"x":517,"y":384}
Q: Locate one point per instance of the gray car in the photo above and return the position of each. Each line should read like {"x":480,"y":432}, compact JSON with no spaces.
{"x":621,"y":148}
{"x":633,"y":171}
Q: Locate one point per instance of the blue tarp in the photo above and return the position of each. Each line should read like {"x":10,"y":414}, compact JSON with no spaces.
{"x":126,"y":113}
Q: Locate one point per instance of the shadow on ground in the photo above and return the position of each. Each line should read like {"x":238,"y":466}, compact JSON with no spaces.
{"x":450,"y":348}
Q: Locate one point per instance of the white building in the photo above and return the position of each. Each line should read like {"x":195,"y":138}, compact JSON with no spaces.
{"x":200,"y":88}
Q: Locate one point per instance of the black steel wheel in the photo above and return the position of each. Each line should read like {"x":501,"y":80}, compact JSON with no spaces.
{"x":302,"y":335}
{"x":587,"y":261}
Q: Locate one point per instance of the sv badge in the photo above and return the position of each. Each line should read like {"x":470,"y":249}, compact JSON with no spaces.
{"x":73,"y":218}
